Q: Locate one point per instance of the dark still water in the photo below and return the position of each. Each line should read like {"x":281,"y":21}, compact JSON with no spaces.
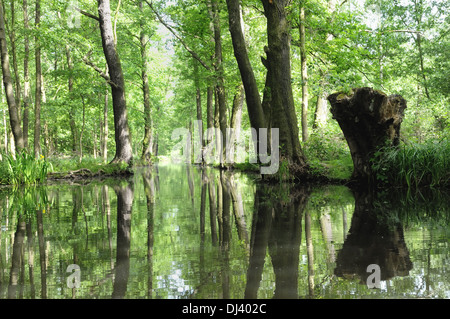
{"x":180,"y":232}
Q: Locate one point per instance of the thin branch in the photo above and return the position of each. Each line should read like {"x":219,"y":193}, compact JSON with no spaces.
{"x":192,"y":52}
{"x":389,"y":31}
{"x":87,"y":14}
{"x":100,"y":71}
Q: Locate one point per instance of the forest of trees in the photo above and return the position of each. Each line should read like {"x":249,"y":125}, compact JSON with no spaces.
{"x":108,"y":81}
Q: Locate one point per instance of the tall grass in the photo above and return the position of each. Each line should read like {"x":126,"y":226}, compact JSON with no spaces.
{"x":24,"y":169}
{"x":414,"y":165}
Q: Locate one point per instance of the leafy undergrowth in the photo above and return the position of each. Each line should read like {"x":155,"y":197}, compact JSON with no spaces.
{"x":328,"y":154}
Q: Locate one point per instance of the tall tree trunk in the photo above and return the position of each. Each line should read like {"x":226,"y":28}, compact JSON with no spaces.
{"x":12,"y":36}
{"x":72,"y":123}
{"x":419,"y":9}
{"x":218,"y":66}
{"x":5,"y":132}
{"x":422,"y":69}
{"x":235,"y":123}
{"x":82,"y":128}
{"x":252,"y":96}
{"x":198,"y":142}
{"x":278,"y":97}
{"x":304,"y":72}
{"x":7,"y":82}
{"x":146,"y":144}
{"x":105,"y":128}
{"x":26,"y":77}
{"x":278,"y":63}
{"x":38,"y":89}
{"x":117,"y":83}
{"x":321,"y":113}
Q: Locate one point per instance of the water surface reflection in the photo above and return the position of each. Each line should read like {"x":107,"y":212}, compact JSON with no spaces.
{"x":187,"y":232}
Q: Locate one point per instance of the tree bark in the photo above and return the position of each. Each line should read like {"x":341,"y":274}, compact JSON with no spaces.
{"x":252,"y":96}
{"x":277,"y":108}
{"x":72,"y":123}
{"x":105,"y":127}
{"x":38,"y":89}
{"x":26,"y":77}
{"x":7,"y":82}
{"x":304,"y":72}
{"x":278,"y":64}
{"x":146,"y":143}
{"x":12,"y":36}
{"x":219,"y":73}
{"x":235,"y":122}
{"x":368,"y":119}
{"x":320,"y":115}
{"x":117,"y":83}
{"x":199,"y":123}
{"x":83,"y":124}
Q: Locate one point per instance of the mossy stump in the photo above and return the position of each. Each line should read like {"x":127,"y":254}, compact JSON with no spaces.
{"x":369,"y":120}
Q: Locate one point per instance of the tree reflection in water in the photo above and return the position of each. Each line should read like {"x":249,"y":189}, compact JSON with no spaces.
{"x":122,"y":268}
{"x":214,"y":236}
{"x":372,"y":240}
{"x":276,"y":226}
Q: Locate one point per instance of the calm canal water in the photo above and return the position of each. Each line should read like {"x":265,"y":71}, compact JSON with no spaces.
{"x":182,"y":232}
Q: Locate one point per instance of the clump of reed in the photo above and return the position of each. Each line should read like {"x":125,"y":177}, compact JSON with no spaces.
{"x":414,"y":165}
{"x":23,"y":169}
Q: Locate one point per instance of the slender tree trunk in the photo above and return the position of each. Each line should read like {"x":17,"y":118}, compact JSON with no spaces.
{"x":252,"y":96}
{"x":209,"y":107}
{"x":72,"y":123}
{"x":422,"y":69}
{"x":304,"y":72}
{"x":7,"y":82}
{"x":147,"y":142}
{"x":82,"y":128}
{"x":218,"y":66}
{"x":5,"y":132}
{"x":199,"y":129}
{"x":117,"y":83}
{"x":12,"y":36}
{"x":105,"y":128}
{"x":38,"y":89}
{"x":46,"y":139}
{"x":26,"y":77}
{"x":235,"y":123}
{"x":321,"y":113}
{"x":94,"y":141}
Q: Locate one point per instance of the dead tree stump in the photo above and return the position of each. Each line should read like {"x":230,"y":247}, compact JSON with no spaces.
{"x":369,"y":120}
